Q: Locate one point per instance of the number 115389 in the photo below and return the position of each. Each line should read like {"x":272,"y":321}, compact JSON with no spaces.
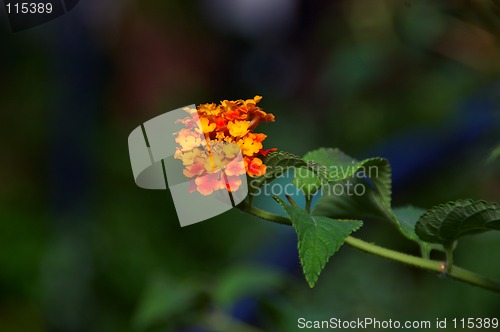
{"x":29,"y":8}
{"x":475,"y":323}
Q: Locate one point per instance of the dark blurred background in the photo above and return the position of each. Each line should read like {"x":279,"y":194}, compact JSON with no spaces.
{"x":82,"y":248}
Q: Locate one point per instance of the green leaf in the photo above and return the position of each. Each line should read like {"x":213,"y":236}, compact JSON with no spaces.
{"x":407,"y":218}
{"x":245,"y":280}
{"x":340,"y":201}
{"x":448,"y":222}
{"x":308,"y":182}
{"x":339,"y":165}
{"x":318,"y":239}
{"x":360,"y":189}
{"x":277,"y":163}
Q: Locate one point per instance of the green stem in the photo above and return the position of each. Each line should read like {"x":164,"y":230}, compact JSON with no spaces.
{"x":427,"y":264}
{"x":424,"y":252}
{"x":308,"y":204}
{"x":291,"y":201}
{"x":264,"y":214}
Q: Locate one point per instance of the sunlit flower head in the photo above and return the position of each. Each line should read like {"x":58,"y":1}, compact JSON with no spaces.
{"x":212,"y":139}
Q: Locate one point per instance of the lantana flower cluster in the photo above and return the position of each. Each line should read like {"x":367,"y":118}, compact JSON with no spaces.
{"x":210,"y":144}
